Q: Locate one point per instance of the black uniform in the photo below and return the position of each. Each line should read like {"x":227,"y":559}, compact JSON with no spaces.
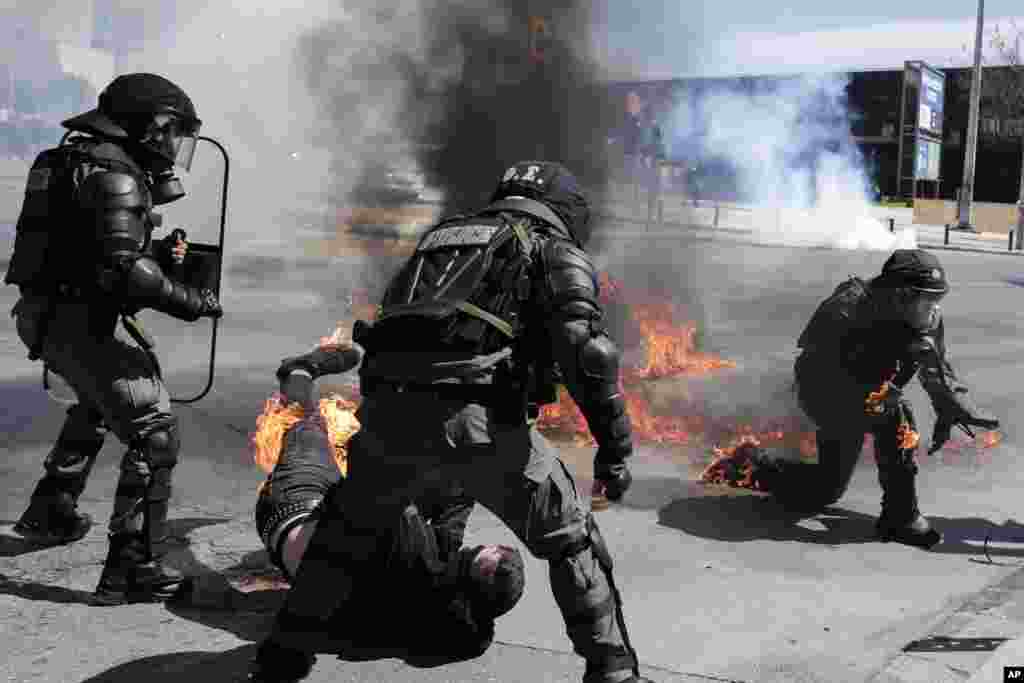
{"x":83,"y":258}
{"x":873,"y":338}
{"x":462,"y":353}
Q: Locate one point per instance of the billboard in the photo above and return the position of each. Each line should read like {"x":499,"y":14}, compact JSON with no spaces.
{"x":922,"y":109}
{"x":929,"y":154}
{"x":933,"y":93}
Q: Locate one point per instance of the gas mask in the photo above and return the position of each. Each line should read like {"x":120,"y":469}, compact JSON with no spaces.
{"x":166,"y":187}
{"x":174,"y":141}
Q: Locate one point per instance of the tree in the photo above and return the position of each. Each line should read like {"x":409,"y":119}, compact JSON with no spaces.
{"x":1002,"y":93}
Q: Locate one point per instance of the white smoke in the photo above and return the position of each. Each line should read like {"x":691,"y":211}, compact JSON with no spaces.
{"x":791,"y":150}
{"x":236,"y":61}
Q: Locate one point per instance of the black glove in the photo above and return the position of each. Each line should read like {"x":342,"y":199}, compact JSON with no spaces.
{"x":209,"y":305}
{"x":326,"y":360}
{"x":953,"y":409}
{"x":613,"y":473}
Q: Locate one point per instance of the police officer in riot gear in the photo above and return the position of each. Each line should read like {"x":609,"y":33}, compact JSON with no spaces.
{"x":465,"y":348}
{"x":860,"y":349}
{"x":83,"y":258}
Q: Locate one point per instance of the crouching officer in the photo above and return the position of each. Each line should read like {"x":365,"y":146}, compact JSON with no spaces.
{"x":83,"y":258}
{"x":861,"y":348}
{"x":457,"y":363}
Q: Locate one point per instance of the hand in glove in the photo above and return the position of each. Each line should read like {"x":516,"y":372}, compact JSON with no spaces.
{"x":956,"y":413}
{"x":210,"y":306}
{"x":170,"y":251}
{"x":611,"y":476}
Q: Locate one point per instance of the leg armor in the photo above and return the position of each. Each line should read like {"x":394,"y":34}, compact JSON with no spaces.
{"x":133,"y":571}
{"x":579,"y":567}
{"x":52,"y":515}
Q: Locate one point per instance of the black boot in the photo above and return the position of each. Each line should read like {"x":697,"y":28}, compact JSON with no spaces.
{"x":52,"y":517}
{"x":131,"y":574}
{"x":901,"y":521}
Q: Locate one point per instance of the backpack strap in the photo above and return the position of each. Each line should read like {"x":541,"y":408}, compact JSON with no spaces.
{"x":532,"y":207}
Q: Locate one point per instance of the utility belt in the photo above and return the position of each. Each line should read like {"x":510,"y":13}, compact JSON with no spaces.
{"x":505,"y":401}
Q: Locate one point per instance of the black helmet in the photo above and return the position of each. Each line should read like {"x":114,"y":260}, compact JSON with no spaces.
{"x":131,"y":108}
{"x":552,"y":184}
{"x":914,"y":269}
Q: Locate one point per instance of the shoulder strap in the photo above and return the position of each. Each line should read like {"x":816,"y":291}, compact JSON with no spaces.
{"x":530,"y":206}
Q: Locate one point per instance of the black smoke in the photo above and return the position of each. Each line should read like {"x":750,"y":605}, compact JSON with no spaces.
{"x":508,"y":105}
{"x":452,"y":85}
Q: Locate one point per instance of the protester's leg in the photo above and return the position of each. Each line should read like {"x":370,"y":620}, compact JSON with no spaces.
{"x":901,"y":519}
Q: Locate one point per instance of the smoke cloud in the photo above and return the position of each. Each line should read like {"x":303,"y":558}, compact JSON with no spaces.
{"x":787,"y":145}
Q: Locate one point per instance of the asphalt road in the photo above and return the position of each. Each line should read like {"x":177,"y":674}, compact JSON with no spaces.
{"x":719,"y":584}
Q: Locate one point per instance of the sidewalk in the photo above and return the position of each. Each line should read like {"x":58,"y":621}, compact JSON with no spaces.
{"x":732,"y":221}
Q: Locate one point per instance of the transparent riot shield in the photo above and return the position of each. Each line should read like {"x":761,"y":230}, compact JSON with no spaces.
{"x":187,"y":352}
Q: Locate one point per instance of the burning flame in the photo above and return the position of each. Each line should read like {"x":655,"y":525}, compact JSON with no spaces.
{"x":336,"y":417}
{"x":670,"y":349}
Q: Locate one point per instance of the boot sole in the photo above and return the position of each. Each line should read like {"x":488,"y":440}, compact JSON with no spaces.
{"x":43,"y":538}
{"x":109,"y":597}
{"x":926,"y":542}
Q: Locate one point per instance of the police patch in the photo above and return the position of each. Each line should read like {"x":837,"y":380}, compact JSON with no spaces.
{"x":38,"y":179}
{"x":457,"y":236}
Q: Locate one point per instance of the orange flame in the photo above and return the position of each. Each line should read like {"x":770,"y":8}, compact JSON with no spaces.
{"x":336,"y":416}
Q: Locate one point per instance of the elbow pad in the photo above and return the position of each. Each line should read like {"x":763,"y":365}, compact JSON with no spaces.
{"x":144,"y":284}
{"x":600,"y":399}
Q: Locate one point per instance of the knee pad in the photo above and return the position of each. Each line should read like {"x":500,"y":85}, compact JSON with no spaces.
{"x":156,"y":453}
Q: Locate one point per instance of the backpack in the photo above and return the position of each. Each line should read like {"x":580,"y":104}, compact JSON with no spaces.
{"x":44,"y":243}
{"x":462,"y":288}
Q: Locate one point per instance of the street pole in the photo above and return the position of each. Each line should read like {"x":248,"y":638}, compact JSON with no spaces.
{"x":1019,"y":68}
{"x":970,"y":153}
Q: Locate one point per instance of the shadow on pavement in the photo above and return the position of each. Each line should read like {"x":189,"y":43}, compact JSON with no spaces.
{"x":980,"y":537}
{"x":32,"y":590}
{"x":227,"y":667}
{"x":752,"y":517}
{"x":744,"y":516}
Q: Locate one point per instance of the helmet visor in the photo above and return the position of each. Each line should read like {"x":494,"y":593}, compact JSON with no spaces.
{"x":184,"y":149}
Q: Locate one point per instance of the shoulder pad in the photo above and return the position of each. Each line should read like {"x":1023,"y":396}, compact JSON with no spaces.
{"x":569,"y":273}
{"x":113,"y":190}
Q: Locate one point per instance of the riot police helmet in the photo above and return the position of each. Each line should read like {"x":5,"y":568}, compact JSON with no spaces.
{"x":555,"y":186}
{"x":148,"y":110}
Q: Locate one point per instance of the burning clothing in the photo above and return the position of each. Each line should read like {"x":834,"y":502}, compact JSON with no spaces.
{"x":463,"y":352}
{"x":83,"y":256}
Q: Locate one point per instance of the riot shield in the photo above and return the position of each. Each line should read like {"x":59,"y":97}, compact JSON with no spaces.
{"x":203,"y":267}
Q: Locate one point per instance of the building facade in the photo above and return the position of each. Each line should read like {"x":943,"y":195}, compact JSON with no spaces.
{"x":871,"y":104}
